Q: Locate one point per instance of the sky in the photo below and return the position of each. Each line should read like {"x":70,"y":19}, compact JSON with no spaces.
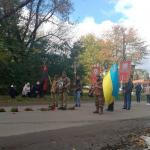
{"x":96,"y":16}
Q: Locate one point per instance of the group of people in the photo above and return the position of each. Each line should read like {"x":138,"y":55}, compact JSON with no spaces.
{"x":60,"y":87}
{"x":128,"y":87}
{"x":146,"y":91}
{"x":27,"y":91}
{"x":33,"y":92}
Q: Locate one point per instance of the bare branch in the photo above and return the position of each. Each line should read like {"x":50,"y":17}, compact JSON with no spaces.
{"x":12,"y":12}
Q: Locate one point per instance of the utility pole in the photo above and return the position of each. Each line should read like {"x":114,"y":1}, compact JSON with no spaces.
{"x":124,"y":56}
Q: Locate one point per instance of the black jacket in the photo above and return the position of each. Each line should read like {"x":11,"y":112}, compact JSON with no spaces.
{"x":13,"y":92}
{"x":138,"y":88}
{"x":128,"y":88}
{"x":78,"y":85}
{"x":35,"y":88}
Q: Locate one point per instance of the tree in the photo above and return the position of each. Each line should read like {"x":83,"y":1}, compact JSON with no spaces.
{"x":109,"y":48}
{"x":11,"y":11}
{"x":23,"y":29}
{"x":141,"y":74}
{"x":89,"y":56}
{"x":136,"y":47}
{"x":24,"y":42}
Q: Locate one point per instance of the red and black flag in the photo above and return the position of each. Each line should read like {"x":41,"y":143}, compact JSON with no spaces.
{"x":44,"y":78}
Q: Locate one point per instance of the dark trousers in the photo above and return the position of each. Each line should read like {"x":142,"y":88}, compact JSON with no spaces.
{"x":138,"y":97}
{"x":41,"y":93}
{"x":111,"y":107}
{"x":148,"y":98}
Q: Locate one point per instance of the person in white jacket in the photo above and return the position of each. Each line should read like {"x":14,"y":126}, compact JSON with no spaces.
{"x":26,"y":90}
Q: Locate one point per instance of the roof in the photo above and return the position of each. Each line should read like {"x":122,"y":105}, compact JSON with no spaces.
{"x":141,"y":81}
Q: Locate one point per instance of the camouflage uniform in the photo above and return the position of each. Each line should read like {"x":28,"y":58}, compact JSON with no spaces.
{"x":99,"y":97}
{"x":63,"y":92}
{"x":54,"y":93}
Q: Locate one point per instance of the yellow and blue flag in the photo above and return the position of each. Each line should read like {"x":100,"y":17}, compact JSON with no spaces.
{"x":111,"y":84}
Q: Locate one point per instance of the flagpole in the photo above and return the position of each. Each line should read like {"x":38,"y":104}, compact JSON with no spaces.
{"x":49,"y":78}
{"x":124,"y":59}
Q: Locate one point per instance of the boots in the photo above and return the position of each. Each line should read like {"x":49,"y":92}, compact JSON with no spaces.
{"x":96,"y":111}
{"x":101,"y":111}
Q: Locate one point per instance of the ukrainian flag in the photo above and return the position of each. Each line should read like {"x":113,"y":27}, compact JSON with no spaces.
{"x":111,"y":84}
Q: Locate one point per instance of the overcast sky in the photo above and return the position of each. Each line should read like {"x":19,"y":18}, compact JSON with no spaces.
{"x":96,"y":16}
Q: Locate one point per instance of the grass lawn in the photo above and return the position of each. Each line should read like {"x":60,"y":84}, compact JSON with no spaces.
{"x":7,"y":99}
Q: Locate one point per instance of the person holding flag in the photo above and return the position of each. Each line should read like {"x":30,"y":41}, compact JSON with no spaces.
{"x":54,"y":91}
{"x":63,"y":84}
{"x":99,"y":96}
{"x":111,"y":85}
{"x":43,"y":83}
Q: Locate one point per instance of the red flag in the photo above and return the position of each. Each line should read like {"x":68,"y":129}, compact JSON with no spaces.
{"x":124,"y":71}
{"x":95,"y":71}
{"x":44,"y":78}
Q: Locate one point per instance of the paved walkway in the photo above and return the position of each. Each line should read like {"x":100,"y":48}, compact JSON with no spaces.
{"x":36,"y":121}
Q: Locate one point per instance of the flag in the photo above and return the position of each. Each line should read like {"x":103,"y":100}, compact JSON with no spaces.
{"x":95,"y":71}
{"x":124,"y":71}
{"x":111,"y":84}
{"x":44,"y":78}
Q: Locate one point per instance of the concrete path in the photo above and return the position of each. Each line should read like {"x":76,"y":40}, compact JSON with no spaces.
{"x":27,"y":122}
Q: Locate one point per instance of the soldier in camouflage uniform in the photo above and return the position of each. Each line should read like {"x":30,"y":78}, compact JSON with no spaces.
{"x":99,"y":96}
{"x":63,"y":91}
{"x":54,"y":91}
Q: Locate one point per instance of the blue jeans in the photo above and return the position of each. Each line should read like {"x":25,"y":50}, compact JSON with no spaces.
{"x":127,"y":101}
{"x":77,"y":97}
{"x":148,"y":98}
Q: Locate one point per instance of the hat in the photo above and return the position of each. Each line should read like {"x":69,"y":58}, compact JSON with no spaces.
{"x":98,"y":75}
{"x":64,"y":72}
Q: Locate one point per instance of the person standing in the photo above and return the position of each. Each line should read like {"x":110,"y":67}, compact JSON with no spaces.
{"x":77,"y":90}
{"x":127,"y":91}
{"x":54,"y":91}
{"x":110,"y":107}
{"x":99,"y":95}
{"x":148,"y":94}
{"x":63,"y":84}
{"x":138,"y":92}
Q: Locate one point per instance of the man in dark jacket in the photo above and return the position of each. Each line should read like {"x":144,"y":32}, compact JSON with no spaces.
{"x":127,"y":91}
{"x":77,"y":90}
{"x":138,"y":91}
{"x":35,"y":90}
